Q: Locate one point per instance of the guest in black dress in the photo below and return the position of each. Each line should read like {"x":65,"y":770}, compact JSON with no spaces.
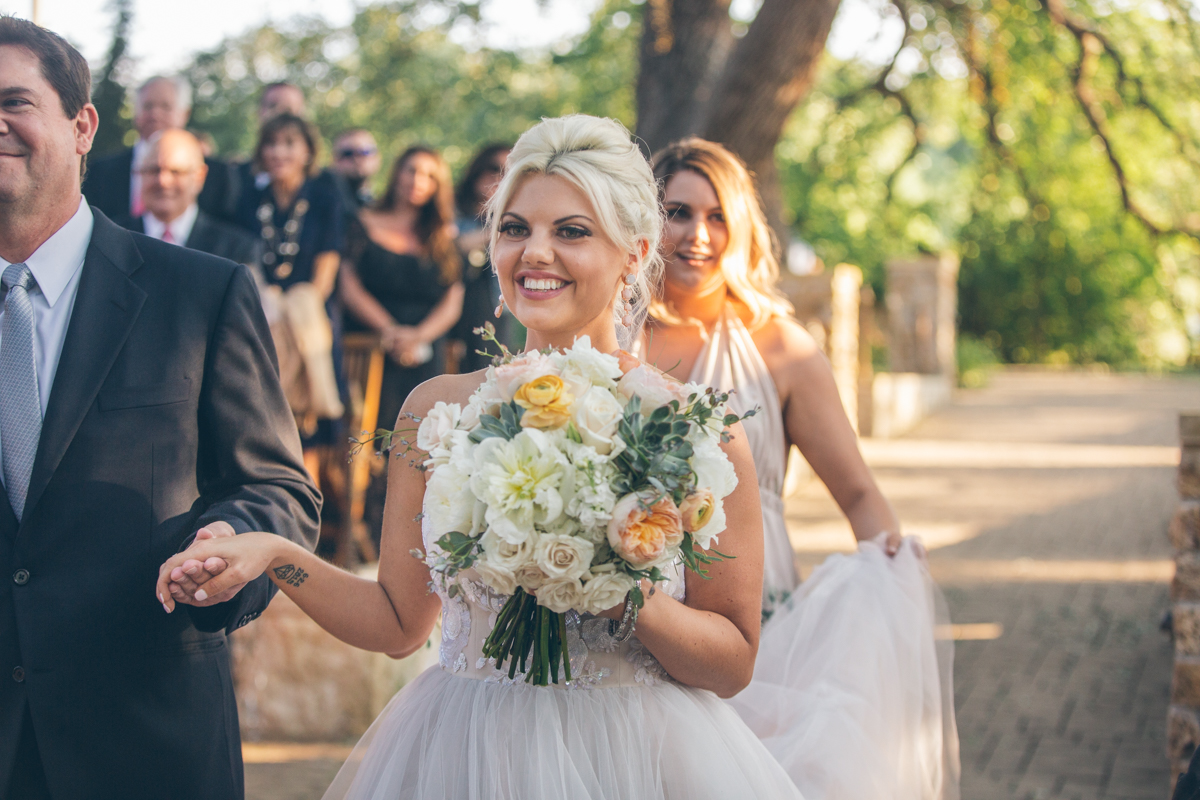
{"x":482,"y":290}
{"x":300,"y":222}
{"x":402,"y":274}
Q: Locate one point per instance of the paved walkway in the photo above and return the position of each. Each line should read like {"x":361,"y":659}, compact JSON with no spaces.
{"x":1045,"y":499}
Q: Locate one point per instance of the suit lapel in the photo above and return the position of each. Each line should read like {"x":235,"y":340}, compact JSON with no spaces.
{"x":8,"y":518}
{"x":198,"y":238}
{"x":106,"y":307}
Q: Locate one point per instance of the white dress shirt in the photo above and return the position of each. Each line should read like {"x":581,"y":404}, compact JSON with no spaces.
{"x":56,"y":266}
{"x":180,"y":227}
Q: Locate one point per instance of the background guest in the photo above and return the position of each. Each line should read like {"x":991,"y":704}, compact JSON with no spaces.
{"x":299,"y":220}
{"x":356,"y":160}
{"x":401,"y":277}
{"x":114,"y":186}
{"x":281,"y":98}
{"x":173,"y":173}
{"x":402,"y":274}
{"x":481,"y":290}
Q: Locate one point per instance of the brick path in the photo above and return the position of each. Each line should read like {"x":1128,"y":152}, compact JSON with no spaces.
{"x":1067,"y":562}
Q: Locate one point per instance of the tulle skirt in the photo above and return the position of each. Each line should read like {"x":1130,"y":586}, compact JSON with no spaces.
{"x":852,"y":689}
{"x":454,"y":738}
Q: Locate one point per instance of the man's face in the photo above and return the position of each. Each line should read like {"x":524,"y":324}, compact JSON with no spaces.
{"x":356,"y":155}
{"x":40,"y":147}
{"x":280,"y":100}
{"x":157,"y":108}
{"x":173,"y":173}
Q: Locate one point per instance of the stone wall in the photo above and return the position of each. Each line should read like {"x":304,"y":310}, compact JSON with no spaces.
{"x":1183,"y":718}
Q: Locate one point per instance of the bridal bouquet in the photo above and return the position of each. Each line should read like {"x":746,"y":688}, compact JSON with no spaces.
{"x":563,"y":483}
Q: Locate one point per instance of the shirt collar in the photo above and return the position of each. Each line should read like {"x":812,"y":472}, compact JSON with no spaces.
{"x":61,"y":256}
{"x":181,"y":226}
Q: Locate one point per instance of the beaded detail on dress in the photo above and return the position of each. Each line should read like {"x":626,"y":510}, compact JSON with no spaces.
{"x":597,"y":662}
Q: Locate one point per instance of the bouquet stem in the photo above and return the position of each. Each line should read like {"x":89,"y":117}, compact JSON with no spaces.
{"x":533,"y":637}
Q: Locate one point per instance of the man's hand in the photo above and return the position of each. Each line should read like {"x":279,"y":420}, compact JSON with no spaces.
{"x":189,"y":577}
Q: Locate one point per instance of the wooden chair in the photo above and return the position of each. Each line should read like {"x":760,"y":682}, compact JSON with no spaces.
{"x":364,"y":360}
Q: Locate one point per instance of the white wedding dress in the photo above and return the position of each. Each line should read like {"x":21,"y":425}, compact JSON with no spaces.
{"x":850,"y":698}
{"x":622,"y":730}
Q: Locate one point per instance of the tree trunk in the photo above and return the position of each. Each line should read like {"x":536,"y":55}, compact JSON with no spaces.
{"x":693,"y":82}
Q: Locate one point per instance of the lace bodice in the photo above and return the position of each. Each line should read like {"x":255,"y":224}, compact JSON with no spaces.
{"x":597,"y":662}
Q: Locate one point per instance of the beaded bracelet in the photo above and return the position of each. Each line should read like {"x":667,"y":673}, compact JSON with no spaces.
{"x":628,"y":621}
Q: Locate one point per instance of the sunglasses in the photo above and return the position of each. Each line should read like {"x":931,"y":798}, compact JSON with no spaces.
{"x":350,"y":152}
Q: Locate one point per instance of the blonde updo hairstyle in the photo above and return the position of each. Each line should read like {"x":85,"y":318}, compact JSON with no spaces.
{"x":749,"y":264}
{"x":598,"y":157}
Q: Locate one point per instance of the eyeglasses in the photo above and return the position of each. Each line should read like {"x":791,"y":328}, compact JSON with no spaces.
{"x":351,"y":152}
{"x":152,"y":172}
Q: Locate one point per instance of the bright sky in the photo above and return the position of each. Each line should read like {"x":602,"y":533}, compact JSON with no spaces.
{"x":165,"y":34}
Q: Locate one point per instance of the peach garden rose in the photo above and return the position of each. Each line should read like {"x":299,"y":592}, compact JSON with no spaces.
{"x":641,"y":535}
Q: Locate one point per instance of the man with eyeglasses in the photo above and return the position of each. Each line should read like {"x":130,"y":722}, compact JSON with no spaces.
{"x":173,"y":172}
{"x":355,"y":161}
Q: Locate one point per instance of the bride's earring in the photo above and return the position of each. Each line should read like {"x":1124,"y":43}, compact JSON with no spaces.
{"x":626,"y":298}
{"x":499,"y":312}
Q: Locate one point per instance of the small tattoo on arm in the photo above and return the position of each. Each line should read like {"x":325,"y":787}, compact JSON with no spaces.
{"x":290,"y":574}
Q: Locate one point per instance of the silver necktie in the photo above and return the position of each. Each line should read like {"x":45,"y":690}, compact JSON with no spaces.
{"x":20,"y":403}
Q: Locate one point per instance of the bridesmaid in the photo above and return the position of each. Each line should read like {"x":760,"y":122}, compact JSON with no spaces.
{"x":721,"y":321}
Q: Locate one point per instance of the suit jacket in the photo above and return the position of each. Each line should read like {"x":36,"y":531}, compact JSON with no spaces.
{"x":213,"y":237}
{"x":165,"y":415}
{"x":107,"y":182}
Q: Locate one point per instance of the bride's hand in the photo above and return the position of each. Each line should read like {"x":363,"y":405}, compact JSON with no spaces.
{"x":247,"y":556}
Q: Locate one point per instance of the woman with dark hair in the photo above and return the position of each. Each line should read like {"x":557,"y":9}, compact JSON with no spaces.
{"x":299,"y":220}
{"x":402,"y":275}
{"x":482,"y":290}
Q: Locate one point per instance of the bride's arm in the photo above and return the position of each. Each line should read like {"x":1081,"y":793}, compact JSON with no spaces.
{"x":710,"y":640}
{"x":393,"y":614}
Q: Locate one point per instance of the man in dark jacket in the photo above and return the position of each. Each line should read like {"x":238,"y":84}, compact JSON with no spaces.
{"x":113,"y":184}
{"x":139,"y":408}
{"x":173,"y":172}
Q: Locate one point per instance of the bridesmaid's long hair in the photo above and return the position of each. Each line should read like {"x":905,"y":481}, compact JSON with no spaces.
{"x":749,"y":263}
{"x":435,"y":219}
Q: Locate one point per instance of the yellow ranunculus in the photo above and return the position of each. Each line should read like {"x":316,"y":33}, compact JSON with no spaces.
{"x":547,"y":402}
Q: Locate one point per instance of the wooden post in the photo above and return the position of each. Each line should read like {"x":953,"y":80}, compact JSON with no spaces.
{"x":1183,"y":716}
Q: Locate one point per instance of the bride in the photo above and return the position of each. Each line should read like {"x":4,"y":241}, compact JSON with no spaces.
{"x":575,"y":214}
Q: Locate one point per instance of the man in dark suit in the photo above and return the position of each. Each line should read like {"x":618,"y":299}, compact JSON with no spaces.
{"x":139,"y":408}
{"x":173,"y":173}
{"x":113,"y":185}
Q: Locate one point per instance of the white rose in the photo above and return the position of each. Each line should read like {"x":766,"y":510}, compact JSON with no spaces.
{"x":654,"y":388}
{"x":596,"y":416}
{"x":496,"y":577}
{"x":505,"y":554}
{"x":605,"y":590}
{"x":469,"y":420}
{"x":437,"y":425}
{"x":563,"y":556}
{"x":561,"y":594}
{"x":713,"y":469}
{"x":584,"y":364}
{"x":530,"y":577}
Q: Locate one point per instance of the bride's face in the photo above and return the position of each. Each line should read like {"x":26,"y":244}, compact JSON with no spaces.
{"x":558,"y":270}
{"x":695,"y":235}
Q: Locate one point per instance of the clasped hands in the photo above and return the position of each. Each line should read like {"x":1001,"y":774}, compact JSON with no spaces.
{"x":185,"y":582}
{"x":404,"y":344}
